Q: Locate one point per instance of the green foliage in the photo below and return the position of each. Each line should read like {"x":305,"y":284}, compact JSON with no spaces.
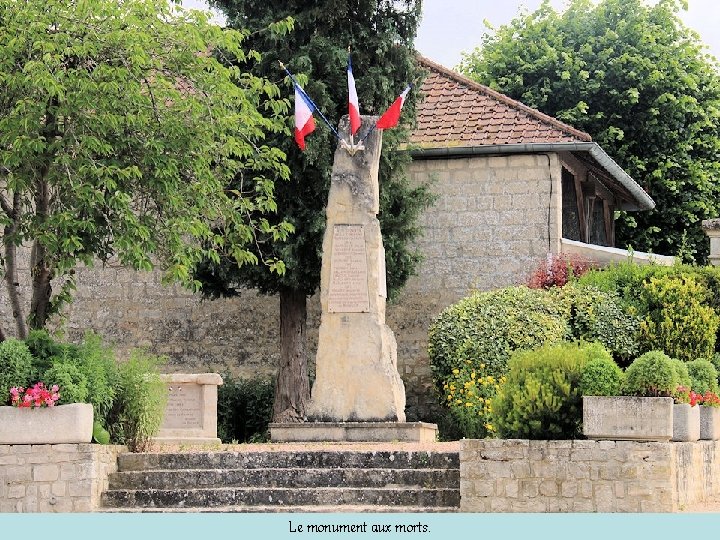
{"x":73,"y":384}
{"x":597,"y":315}
{"x":486,"y":327}
{"x":651,"y":374}
{"x":120,"y":132}
{"x":677,"y":322}
{"x":245,"y":409}
{"x":541,"y":397}
{"x":636,"y":79}
{"x":682,"y":374}
{"x":715,"y":360}
{"x":703,"y":376}
{"x":96,"y":361}
{"x":381,"y":36}
{"x":16,"y":365}
{"x":601,"y":377}
{"x":43,"y":349}
{"x":100,"y":434}
{"x":139,"y":406}
{"x":467,"y":395}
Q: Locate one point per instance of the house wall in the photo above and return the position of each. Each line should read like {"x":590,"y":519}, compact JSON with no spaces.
{"x":487,"y":229}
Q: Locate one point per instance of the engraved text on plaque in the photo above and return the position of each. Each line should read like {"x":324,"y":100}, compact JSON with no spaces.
{"x":348,"y":271}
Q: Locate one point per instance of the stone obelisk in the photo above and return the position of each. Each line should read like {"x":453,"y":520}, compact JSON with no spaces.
{"x":358,"y":393}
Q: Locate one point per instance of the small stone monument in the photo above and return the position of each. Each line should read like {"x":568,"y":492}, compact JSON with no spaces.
{"x":358,"y":393}
{"x":712,"y":229}
{"x":191,"y":411}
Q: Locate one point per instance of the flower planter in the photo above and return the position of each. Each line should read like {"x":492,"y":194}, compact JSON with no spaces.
{"x":49,"y":425}
{"x":709,"y":423}
{"x":626,"y":418}
{"x":686,"y":423}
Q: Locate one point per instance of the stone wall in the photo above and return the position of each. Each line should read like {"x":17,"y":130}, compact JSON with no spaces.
{"x":586,"y":476}
{"x":55,"y":477}
{"x":488,"y":228}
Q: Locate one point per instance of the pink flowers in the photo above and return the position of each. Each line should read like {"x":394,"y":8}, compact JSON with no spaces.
{"x":37,"y":396}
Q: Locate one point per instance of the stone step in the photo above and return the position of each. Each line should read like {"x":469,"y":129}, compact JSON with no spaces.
{"x":280,"y":459}
{"x":324,"y":496}
{"x":283,"y":477}
{"x":321,"y":509}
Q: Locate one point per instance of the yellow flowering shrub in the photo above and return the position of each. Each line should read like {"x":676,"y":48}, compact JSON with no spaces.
{"x":467,"y":393}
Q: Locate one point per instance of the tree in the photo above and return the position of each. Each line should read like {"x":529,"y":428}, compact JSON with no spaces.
{"x":380,"y":33}
{"x":642,"y":85}
{"x":120,"y":128}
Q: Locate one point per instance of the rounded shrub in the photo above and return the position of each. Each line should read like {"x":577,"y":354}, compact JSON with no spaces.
{"x":16,"y":367}
{"x":651,"y":374}
{"x":73,"y":384}
{"x":703,"y":376}
{"x":245,"y":408}
{"x":681,"y":373}
{"x":541,"y":397}
{"x":601,"y":377}
{"x":485,"y":327}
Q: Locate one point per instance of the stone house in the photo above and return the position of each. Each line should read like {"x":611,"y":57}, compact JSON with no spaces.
{"x":513,"y":184}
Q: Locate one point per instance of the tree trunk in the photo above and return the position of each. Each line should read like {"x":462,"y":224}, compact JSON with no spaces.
{"x":292,"y":387}
{"x":39,"y":264}
{"x":11,"y":280}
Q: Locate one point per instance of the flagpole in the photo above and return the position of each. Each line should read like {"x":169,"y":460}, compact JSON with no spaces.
{"x":310,"y":100}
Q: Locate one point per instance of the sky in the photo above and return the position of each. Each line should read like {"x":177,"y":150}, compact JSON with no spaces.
{"x":451,"y":27}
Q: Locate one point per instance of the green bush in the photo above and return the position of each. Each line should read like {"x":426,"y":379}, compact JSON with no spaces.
{"x":96,"y":362}
{"x":485,"y":327}
{"x":597,"y":315}
{"x":16,"y":367}
{"x":703,"y":376}
{"x":715,"y":360}
{"x":141,"y":397}
{"x":677,"y":322}
{"x":72,"y":383}
{"x":681,"y":373}
{"x":245,"y":408}
{"x":651,"y":374}
{"x":627,"y":279}
{"x":45,"y":349}
{"x":541,"y":398}
{"x":601,"y":377}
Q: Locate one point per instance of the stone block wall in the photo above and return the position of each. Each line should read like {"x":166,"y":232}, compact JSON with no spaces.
{"x":495,"y":217}
{"x":586,"y":476}
{"x":55,"y":477}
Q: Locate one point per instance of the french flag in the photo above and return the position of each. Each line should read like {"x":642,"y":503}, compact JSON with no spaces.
{"x":353,"y":103}
{"x":391,"y":117}
{"x":304,"y":121}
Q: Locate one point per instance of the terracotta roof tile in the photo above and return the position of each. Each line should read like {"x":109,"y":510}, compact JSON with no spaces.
{"x":457,"y":111}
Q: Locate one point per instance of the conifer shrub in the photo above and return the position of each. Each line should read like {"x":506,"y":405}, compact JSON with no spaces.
{"x":677,"y":320}
{"x":703,"y":376}
{"x":651,"y":375}
{"x":541,"y":396}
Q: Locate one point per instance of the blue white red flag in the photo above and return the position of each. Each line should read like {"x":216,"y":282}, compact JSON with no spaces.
{"x":391,"y":117}
{"x":304,"y":121}
{"x":353,"y":104}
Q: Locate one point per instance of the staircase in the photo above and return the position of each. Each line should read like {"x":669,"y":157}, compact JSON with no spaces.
{"x":286,"y":481}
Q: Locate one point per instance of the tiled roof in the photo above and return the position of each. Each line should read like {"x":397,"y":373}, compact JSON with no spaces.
{"x":458,"y":112}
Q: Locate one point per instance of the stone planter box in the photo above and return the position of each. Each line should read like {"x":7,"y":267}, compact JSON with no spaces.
{"x":686,"y":423}
{"x":626,"y":418}
{"x":709,"y":423}
{"x":49,"y":425}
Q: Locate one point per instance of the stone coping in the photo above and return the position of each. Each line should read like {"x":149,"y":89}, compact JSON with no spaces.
{"x":192,"y":378}
{"x":711,"y":224}
{"x":353,"y":432}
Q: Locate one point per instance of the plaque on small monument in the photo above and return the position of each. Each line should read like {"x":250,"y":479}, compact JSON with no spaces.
{"x":348,"y":271}
{"x":183,"y":407}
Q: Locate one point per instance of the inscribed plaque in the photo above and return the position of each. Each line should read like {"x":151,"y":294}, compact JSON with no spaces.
{"x":348,"y":271}
{"x":183,"y":407}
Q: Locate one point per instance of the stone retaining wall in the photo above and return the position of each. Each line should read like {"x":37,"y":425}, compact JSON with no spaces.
{"x":586,"y":476}
{"x":55,"y":477}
